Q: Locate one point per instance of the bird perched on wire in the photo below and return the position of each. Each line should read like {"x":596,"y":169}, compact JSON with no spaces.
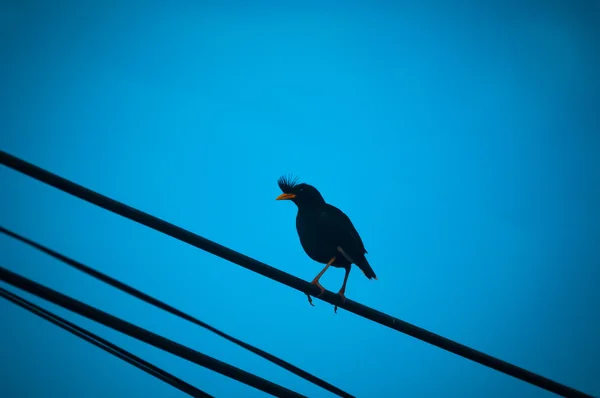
{"x":326,"y":234}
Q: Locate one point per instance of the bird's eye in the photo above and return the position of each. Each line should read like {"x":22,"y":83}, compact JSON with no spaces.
{"x":301,"y":189}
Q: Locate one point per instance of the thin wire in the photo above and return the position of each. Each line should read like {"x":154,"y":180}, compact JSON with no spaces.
{"x":283,"y":277}
{"x":144,"y":335}
{"x":105,"y":345}
{"x":151,"y":300}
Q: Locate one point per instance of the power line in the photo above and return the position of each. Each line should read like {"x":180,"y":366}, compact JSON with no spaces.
{"x":105,"y":345}
{"x":283,"y":277}
{"x":151,"y":300}
{"x":144,"y":335}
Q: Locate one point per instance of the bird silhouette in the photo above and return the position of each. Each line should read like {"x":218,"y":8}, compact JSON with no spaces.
{"x":326,"y":233}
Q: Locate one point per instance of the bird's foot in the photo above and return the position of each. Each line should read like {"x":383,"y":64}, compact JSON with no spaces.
{"x":316,"y":283}
{"x":341,"y":293}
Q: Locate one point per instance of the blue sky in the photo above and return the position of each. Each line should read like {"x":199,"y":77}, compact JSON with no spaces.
{"x":461,"y":139}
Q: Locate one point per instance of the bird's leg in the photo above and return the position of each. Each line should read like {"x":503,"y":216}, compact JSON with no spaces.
{"x":316,"y":281}
{"x":343,"y":289}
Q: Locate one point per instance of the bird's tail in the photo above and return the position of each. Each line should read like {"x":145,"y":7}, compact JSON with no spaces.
{"x":365,"y":267}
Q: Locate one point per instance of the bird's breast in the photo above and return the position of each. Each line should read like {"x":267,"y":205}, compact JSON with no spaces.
{"x":313,"y":237}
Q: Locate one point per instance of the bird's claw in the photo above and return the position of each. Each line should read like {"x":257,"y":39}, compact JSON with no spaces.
{"x":316,"y":283}
{"x":343,"y":301}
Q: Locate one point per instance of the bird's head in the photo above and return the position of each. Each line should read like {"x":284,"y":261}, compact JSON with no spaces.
{"x":303,"y":195}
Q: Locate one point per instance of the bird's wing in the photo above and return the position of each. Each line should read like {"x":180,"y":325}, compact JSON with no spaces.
{"x":340,"y":230}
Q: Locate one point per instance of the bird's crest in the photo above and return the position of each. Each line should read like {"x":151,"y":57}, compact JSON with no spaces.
{"x":287,"y":183}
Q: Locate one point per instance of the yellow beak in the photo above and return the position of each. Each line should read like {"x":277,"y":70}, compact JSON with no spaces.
{"x":285,"y":196}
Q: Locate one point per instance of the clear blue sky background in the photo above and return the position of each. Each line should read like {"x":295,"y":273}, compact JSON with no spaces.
{"x":461,"y":139}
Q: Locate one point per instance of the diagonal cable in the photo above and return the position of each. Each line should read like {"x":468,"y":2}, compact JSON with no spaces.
{"x":294,"y":282}
{"x":144,"y":335}
{"x":105,"y":345}
{"x":151,"y":300}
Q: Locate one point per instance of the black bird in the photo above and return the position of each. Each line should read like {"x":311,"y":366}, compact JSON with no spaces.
{"x":326,"y":234}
